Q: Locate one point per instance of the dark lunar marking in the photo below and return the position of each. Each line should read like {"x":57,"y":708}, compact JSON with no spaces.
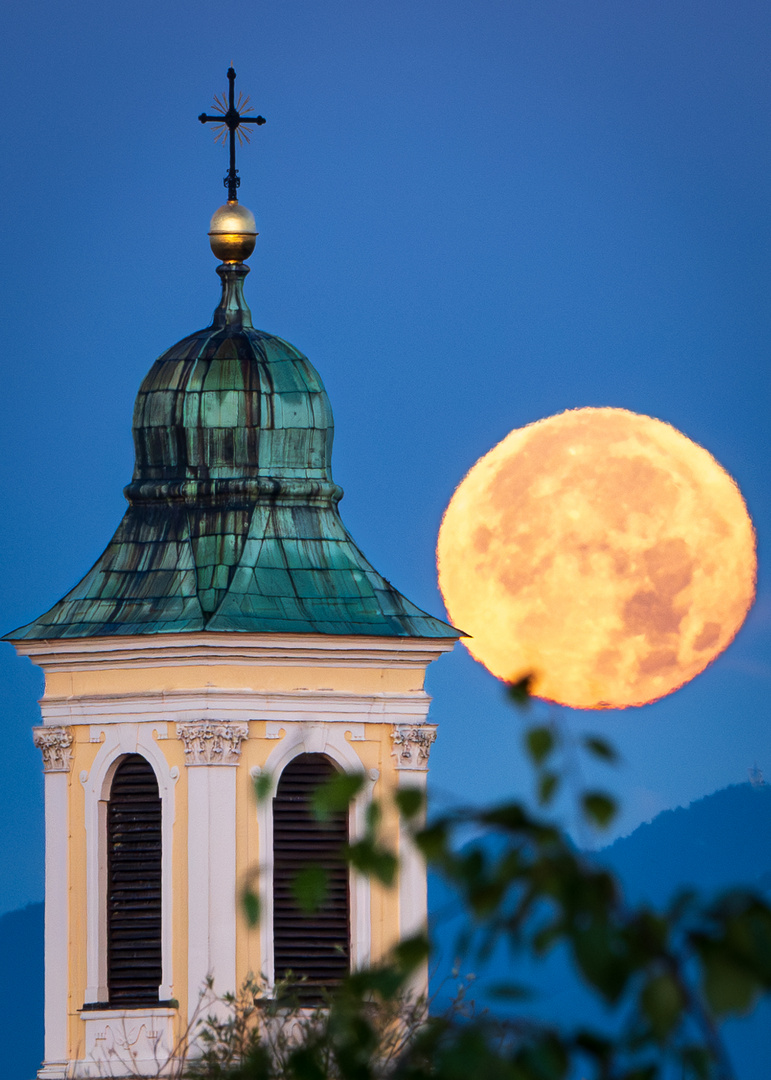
{"x":607,"y":661}
{"x":620,"y":562}
{"x":657,"y":662}
{"x":670,"y":566}
{"x":710,"y":632}
{"x":517,"y":574}
{"x":652,"y":615}
{"x":482,"y":538}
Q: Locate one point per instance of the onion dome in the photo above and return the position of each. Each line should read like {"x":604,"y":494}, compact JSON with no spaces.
{"x":231,"y":403}
{"x":233,"y":521}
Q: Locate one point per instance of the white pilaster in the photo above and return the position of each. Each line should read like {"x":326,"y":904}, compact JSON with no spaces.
{"x":413,"y":896}
{"x":212,"y":751}
{"x":55,"y":744}
{"x":411,"y":748}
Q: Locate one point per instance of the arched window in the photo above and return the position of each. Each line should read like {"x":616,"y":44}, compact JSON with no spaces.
{"x":134,"y":962}
{"x":314,"y":945}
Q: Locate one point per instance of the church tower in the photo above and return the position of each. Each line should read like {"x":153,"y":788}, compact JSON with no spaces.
{"x":231,"y":628}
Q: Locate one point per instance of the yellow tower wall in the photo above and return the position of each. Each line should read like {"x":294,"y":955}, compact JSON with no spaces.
{"x":360,"y":701}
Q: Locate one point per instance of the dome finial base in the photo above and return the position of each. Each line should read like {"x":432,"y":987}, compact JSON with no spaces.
{"x":233,"y":309}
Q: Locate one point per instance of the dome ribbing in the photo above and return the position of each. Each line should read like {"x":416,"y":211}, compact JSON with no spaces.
{"x":233,"y":523}
{"x":231,"y":402}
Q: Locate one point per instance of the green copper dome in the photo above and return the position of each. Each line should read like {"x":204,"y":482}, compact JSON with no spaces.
{"x":233,"y":522}
{"x":232,"y":402}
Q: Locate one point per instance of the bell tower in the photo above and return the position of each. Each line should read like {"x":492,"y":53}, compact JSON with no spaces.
{"x":231,"y":628}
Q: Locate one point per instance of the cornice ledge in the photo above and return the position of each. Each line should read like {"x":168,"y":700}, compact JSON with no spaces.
{"x":72,"y":654}
{"x":216,"y":694}
{"x":235,"y":705}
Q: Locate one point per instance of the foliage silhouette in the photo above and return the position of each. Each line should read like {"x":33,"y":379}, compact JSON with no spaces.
{"x":669,"y":976}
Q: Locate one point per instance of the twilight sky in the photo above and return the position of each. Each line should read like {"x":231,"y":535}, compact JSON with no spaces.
{"x":472,"y":215}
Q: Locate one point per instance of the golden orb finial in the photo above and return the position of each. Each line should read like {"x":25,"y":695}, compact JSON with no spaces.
{"x":232,"y":232}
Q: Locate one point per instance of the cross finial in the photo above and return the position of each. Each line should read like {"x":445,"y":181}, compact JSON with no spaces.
{"x":229,"y":119}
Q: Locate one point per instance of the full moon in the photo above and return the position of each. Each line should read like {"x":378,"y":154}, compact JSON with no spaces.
{"x":602,"y":552}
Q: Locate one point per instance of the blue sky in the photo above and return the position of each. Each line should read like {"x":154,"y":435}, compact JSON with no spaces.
{"x":472,"y":215}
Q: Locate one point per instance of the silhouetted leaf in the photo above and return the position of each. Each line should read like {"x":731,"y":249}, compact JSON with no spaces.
{"x":601,"y":748}
{"x":310,"y":888}
{"x":411,"y":952}
{"x":598,"y":1046}
{"x":599,"y":952}
{"x":366,"y":857}
{"x":728,"y":987}
{"x":251,"y":905}
{"x":410,"y":801}
{"x":544,"y":938}
{"x":305,"y":1063}
{"x":681,"y":903}
{"x":697,"y":1059}
{"x":519,"y":691}
{"x":548,"y":783}
{"x":662,"y":1003}
{"x":539,"y":742}
{"x":372,"y":815}
{"x":386,"y":982}
{"x":262,"y":786}
{"x":336,"y":794}
{"x":432,"y":841}
{"x":599,"y":808}
{"x":545,"y":1057}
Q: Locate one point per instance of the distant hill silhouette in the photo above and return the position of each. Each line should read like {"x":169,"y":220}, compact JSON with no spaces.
{"x":716,"y":843}
{"x":21,"y":991}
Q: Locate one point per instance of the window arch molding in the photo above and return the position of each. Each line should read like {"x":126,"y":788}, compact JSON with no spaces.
{"x":329,"y":739}
{"x":117,"y":742}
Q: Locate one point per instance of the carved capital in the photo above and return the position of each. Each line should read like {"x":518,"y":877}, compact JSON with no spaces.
{"x":210,"y":742}
{"x":412,"y":745}
{"x":56,"y":746}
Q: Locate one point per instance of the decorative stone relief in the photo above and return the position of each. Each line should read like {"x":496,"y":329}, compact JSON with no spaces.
{"x":210,"y":742}
{"x":412,"y":745}
{"x":56,"y":746}
{"x":137,"y":1043}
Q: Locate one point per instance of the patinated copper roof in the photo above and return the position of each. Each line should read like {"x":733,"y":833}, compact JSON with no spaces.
{"x":233,"y":521}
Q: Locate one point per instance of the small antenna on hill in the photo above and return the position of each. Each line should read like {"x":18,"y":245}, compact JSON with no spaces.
{"x":756,"y":776}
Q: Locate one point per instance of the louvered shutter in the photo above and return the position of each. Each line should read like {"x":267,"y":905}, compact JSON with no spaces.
{"x":317,"y":945}
{"x":134,"y":885}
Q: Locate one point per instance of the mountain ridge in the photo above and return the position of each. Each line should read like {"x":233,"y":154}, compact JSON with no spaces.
{"x":676,"y":846}
{"x":716,"y":843}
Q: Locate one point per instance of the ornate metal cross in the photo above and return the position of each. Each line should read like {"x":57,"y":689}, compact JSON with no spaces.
{"x":229,"y":119}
